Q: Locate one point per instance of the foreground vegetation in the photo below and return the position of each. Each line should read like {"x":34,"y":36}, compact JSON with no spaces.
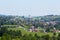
{"x":20,"y":34}
{"x":32,"y":33}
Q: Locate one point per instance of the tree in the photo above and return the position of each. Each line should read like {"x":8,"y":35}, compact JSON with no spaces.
{"x":3,"y":30}
{"x":54,"y":36}
{"x":36,"y":36}
{"x":6,"y":37}
{"x":47,"y":29}
{"x":46,"y":37}
{"x":3,"y":38}
{"x":59,"y":36}
{"x":18,"y":33}
{"x":17,"y":38}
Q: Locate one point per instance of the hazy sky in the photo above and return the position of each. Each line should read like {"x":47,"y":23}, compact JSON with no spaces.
{"x":30,"y":7}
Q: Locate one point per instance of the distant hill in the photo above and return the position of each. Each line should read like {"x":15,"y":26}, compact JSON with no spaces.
{"x":27,"y":21}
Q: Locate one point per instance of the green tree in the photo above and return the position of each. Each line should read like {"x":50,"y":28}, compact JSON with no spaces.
{"x":6,"y":37}
{"x":3,"y":38}
{"x":3,"y":30}
{"x":54,"y":36}
{"x":36,"y":37}
{"x":58,"y":36}
{"x":46,"y":37}
{"x":17,"y":38}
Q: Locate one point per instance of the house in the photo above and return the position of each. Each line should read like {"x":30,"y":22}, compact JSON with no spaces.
{"x":33,"y":29}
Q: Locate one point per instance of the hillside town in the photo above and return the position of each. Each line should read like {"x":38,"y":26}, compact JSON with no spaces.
{"x":47,"y":23}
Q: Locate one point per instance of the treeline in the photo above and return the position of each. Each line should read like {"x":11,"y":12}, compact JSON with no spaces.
{"x":6,"y":34}
{"x":7,"y":20}
{"x":34,"y":21}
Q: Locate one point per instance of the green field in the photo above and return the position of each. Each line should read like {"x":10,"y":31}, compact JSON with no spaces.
{"x":27,"y":32}
{"x":24,"y":31}
{"x":0,"y":38}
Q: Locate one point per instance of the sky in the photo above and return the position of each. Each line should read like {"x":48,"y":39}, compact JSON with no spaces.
{"x":30,"y":7}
